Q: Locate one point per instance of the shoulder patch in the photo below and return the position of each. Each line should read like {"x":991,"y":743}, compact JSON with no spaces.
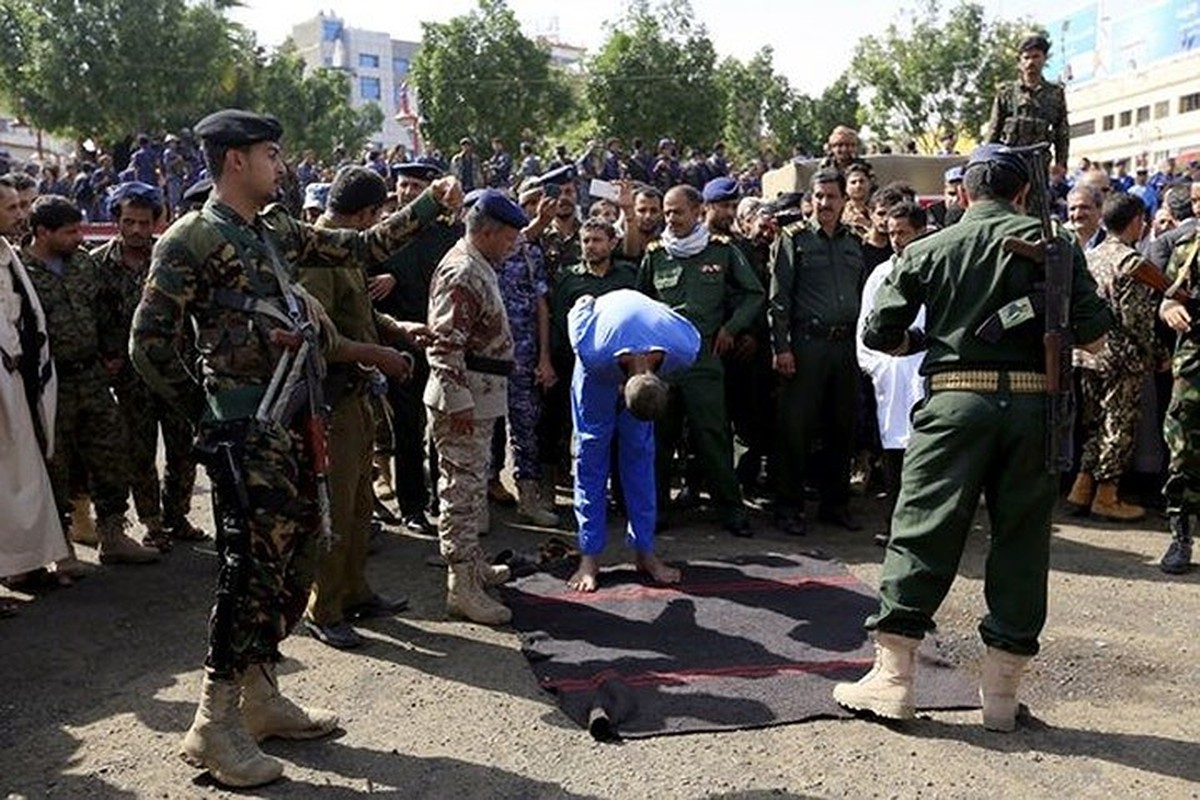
{"x":794,"y":228}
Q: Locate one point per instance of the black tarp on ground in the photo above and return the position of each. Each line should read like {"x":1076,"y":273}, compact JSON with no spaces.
{"x":745,"y":643}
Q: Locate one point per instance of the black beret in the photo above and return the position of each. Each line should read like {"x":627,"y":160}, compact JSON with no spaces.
{"x":233,"y":127}
{"x":198,"y":191}
{"x":1035,"y":42}
{"x":558,"y":176}
{"x":495,"y":204}
{"x":423,"y":169}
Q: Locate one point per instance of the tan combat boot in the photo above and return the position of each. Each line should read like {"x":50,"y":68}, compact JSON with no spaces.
{"x":491,"y":574}
{"x":466,"y":599}
{"x":218,"y":743}
{"x":266,"y":712}
{"x":887,"y":690}
{"x":531,"y":508}
{"x":1108,"y":506}
{"x":83,"y":526}
{"x":1082,"y":493}
{"x":384,"y":485}
{"x":998,"y":688}
{"x":117,"y":548}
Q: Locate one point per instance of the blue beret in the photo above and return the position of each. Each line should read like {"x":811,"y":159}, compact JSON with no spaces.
{"x":1000,"y":156}
{"x":495,"y":204}
{"x":198,"y":192}
{"x":720,"y":190}
{"x":423,"y":169}
{"x":470,"y":198}
{"x":130,"y":189}
{"x":953,"y":175}
{"x":233,"y":127}
{"x":316,"y":195}
{"x":558,"y":176}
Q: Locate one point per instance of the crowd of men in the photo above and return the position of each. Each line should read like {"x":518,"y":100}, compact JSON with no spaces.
{"x":456,"y":316}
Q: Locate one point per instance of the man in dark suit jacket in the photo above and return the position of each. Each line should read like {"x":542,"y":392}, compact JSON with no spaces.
{"x":1183,"y":201}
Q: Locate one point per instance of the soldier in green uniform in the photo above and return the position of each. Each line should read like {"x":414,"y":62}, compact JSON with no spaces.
{"x":340,"y":592}
{"x":1031,"y":110}
{"x":399,"y":287}
{"x":704,"y":277}
{"x":1182,"y":425}
{"x":980,"y":431}
{"x":121,"y":267}
{"x":816,"y":278}
{"x":228,"y":271}
{"x":86,"y":344}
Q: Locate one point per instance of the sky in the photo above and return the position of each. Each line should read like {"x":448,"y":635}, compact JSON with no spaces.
{"x":811,"y":49}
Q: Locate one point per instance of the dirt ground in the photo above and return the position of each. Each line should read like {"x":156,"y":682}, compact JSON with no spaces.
{"x":99,"y":682}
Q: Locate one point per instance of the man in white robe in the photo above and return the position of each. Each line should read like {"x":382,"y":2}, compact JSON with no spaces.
{"x":31,"y":535}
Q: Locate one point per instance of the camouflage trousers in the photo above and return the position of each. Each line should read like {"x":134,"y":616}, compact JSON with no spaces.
{"x":524,"y":409}
{"x":1181,"y":429}
{"x":462,"y":485}
{"x":143,"y":413}
{"x":264,"y":503}
{"x":88,"y":431}
{"x":1111,"y":407}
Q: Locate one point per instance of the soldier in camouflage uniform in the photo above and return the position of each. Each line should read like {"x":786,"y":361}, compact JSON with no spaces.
{"x":1181,"y":428}
{"x":1112,"y":379}
{"x":702,"y":276}
{"x":470,"y":357}
{"x":228,"y":271}
{"x":86,"y":344}
{"x":1031,"y":110}
{"x":121,"y":267}
{"x":525,"y":290}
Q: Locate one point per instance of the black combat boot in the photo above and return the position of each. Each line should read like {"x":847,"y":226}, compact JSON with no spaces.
{"x":1178,"y":559}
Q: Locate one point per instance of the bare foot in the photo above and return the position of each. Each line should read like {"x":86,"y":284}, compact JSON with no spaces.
{"x":584,"y":579}
{"x":654,"y":566}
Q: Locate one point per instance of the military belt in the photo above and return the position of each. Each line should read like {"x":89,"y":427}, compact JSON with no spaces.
{"x":240,"y":402}
{"x":977,"y":380}
{"x":834,"y":333}
{"x":489,"y":366}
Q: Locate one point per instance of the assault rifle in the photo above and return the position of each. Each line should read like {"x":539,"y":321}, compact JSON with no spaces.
{"x":1052,"y":252}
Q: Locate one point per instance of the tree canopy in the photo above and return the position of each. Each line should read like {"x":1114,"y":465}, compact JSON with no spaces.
{"x":936,"y":71}
{"x":478,"y":75}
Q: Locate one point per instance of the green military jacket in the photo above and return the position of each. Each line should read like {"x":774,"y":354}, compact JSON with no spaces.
{"x":1023,"y":115}
{"x":559,"y":251}
{"x":574,"y":282}
{"x":1184,"y":269}
{"x":208,"y":257}
{"x":962,"y":275}
{"x":413,"y":266}
{"x":816,"y":279}
{"x":713,"y":289}
{"x":80,"y":326}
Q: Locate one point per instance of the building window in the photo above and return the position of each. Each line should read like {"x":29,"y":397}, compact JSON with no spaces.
{"x":1126,"y":119}
{"x":1162,"y":109}
{"x":369,"y":88}
{"x":1107,"y":123}
{"x":1083,"y":128}
{"x":1143,"y":114}
{"x":331,"y":30}
{"x":368,"y":60}
{"x":1189,"y":102}
{"x":399,"y":65}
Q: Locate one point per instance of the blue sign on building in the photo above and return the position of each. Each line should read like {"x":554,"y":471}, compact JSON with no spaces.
{"x":1109,"y":38}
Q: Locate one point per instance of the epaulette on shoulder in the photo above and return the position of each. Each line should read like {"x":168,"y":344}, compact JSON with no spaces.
{"x":275,"y":213}
{"x":795,"y":227}
{"x":719,"y":238}
{"x":655,"y":245}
